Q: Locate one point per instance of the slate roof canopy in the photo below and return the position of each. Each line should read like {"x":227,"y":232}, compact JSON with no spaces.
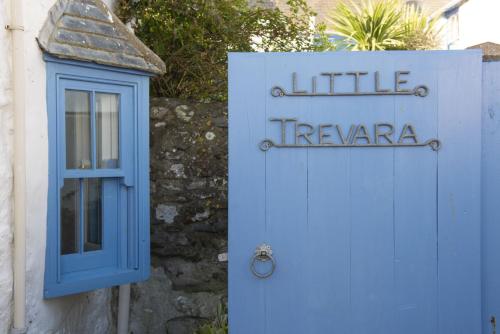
{"x":88,"y":30}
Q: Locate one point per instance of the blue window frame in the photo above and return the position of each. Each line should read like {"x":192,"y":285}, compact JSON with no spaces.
{"x":98,"y":201}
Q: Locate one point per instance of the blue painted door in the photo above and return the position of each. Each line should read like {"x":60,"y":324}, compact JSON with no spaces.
{"x":362,"y":172}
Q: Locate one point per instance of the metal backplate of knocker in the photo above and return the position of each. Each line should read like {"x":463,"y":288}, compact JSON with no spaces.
{"x":263,"y":253}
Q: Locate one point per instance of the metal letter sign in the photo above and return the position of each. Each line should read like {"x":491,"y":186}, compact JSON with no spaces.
{"x":357,"y":175}
{"x":358,"y":136}
{"x":420,"y":90}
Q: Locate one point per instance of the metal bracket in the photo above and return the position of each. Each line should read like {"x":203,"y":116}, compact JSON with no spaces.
{"x":267,"y":144}
{"x":421,"y":91}
{"x":14,"y":27}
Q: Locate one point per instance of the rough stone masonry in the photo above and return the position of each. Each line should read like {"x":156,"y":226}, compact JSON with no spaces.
{"x":188,"y":218}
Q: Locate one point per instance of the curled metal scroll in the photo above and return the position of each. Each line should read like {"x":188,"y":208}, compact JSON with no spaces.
{"x":277,"y":91}
{"x":267,"y":144}
{"x":420,"y":91}
{"x":263,"y":253}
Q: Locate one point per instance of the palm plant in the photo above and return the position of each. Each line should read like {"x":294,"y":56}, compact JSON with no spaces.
{"x":419,"y":32}
{"x":383,"y":25}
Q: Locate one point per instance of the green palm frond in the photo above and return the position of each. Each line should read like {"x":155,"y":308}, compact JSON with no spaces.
{"x":382,"y":25}
{"x":419,"y":31}
{"x":371,"y":26}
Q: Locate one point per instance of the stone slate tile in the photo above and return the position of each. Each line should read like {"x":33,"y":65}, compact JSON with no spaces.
{"x":103,"y":56}
{"x":62,"y":48}
{"x":129,"y":60}
{"x":110,"y":44}
{"x":89,"y":26}
{"x":87,"y":9}
{"x":92,"y":41}
{"x":70,"y":37}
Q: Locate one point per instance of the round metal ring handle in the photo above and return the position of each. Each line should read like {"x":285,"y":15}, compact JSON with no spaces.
{"x":263,"y":253}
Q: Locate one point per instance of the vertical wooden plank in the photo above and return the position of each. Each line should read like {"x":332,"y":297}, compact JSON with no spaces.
{"x":286,"y":208}
{"x":328,"y":244}
{"x":52,"y":257}
{"x":246,"y":190}
{"x":459,"y":216}
{"x":371,"y":205}
{"x":143,"y":203}
{"x":415,"y":205}
{"x":490,"y":196}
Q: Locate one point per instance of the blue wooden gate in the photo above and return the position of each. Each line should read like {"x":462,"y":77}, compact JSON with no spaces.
{"x":361,"y":171}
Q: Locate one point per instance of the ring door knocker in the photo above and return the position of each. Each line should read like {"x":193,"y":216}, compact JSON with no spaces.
{"x":263,"y":253}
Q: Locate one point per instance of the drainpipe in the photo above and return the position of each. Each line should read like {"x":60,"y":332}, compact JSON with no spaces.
{"x":123,"y":309}
{"x":16,"y":26}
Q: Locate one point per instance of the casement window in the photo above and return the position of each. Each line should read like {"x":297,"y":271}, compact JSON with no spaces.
{"x":98,"y":200}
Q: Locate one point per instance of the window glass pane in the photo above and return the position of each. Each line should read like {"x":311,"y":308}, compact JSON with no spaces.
{"x":77,"y":106}
{"x":70,"y":216}
{"x":92,"y":205}
{"x":107,"y":126}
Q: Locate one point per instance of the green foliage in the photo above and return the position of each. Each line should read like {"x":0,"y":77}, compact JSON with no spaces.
{"x":219,"y":325}
{"x":372,"y":26}
{"x":383,"y":25}
{"x":419,"y":32}
{"x":193,"y":38}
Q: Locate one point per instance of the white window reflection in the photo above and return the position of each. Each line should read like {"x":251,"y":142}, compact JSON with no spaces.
{"x":77,"y":116}
{"x":107,"y":130}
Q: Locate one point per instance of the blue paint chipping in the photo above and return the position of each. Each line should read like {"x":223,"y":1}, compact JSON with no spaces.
{"x":124,"y":255}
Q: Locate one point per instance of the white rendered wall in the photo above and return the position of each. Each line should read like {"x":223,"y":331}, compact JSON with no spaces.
{"x":6,"y":141}
{"x":84,"y":313}
{"x":478,"y":22}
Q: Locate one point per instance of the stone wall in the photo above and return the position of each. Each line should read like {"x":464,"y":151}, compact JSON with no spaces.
{"x":188,"y":218}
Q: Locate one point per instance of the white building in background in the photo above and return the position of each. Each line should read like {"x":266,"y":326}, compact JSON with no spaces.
{"x":469,"y":22}
{"x":464,"y":23}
